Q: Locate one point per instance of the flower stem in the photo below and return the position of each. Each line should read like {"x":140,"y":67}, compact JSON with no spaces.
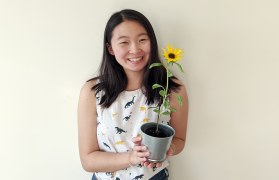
{"x":164,"y":98}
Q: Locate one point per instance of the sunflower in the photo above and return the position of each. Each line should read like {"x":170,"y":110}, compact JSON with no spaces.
{"x":172,"y":54}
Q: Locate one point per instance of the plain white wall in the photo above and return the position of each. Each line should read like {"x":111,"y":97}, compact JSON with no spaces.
{"x":48,"y":48}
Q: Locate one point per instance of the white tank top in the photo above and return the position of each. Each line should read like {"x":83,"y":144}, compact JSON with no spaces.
{"x":118,"y":124}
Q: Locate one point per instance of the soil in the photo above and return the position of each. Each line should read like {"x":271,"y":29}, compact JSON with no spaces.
{"x":151,"y":131}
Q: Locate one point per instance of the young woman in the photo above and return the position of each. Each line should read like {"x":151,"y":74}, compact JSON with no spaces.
{"x":113,"y":105}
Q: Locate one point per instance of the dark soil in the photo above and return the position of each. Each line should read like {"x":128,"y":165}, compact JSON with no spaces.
{"x":151,"y":131}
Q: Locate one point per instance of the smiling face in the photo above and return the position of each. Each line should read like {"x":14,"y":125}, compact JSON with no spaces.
{"x":130,"y":44}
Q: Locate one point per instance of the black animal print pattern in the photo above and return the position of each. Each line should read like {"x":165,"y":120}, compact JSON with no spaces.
{"x":116,"y":128}
{"x":130,"y":103}
{"x":119,"y":130}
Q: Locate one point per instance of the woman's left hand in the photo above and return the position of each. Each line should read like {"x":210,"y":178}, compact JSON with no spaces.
{"x":170,"y":152}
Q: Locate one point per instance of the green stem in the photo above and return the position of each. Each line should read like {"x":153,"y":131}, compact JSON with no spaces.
{"x":164,"y":98}
{"x":158,"y":117}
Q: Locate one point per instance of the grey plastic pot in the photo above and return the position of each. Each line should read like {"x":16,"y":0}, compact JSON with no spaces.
{"x":157,"y":146}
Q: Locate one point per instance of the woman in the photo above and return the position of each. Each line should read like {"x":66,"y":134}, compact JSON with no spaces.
{"x":113,"y":105}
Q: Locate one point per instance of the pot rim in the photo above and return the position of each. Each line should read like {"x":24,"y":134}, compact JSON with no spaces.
{"x":160,"y":124}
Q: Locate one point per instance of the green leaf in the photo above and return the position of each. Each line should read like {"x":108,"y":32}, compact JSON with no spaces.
{"x":157,"y":86}
{"x":180,"y":67}
{"x":156,"y":110}
{"x":162,"y":93}
{"x":151,"y":107}
{"x":154,"y":65}
{"x":173,"y":109}
{"x":179,"y":100}
{"x":170,"y":74}
{"x":166,"y":104}
{"x":166,"y":113}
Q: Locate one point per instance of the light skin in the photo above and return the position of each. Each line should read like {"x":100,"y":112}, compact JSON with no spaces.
{"x":130,"y":45}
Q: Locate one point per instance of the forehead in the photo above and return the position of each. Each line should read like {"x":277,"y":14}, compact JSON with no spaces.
{"x":128,"y":29}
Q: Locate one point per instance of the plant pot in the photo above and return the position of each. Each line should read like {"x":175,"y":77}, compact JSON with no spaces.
{"x":157,"y":144}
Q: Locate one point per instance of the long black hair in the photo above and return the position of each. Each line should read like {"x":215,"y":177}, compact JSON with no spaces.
{"x":112,"y":79}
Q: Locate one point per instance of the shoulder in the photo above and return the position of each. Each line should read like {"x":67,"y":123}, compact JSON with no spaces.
{"x":176,"y":80}
{"x":181,"y":91}
{"x":86,"y":89}
{"x":179,"y":82}
{"x":87,"y":99}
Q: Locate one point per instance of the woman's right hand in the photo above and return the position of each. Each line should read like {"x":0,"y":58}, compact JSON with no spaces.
{"x":139,"y":153}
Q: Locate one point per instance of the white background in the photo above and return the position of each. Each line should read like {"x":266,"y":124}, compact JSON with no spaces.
{"x":49,"y":48}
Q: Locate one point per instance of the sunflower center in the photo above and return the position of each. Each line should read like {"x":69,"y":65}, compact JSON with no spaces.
{"x":171,"y":55}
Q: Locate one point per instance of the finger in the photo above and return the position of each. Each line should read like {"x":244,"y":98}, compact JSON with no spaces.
{"x":143,"y":154}
{"x":158,"y":165}
{"x":146,"y":164}
{"x":142,"y":160}
{"x":140,"y":148}
{"x":170,"y":152}
{"x":136,"y":140}
{"x":151,"y":165}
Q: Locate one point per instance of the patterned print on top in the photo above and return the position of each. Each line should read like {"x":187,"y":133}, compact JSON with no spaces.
{"x":118,"y":124}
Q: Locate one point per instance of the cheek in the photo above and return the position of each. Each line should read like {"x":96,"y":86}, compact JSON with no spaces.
{"x":147,"y":48}
{"x":119,"y":53}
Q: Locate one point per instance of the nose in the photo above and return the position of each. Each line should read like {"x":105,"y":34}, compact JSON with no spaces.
{"x":134,"y":48}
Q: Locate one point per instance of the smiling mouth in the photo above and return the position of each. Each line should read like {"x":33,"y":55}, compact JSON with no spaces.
{"x":136,"y":59}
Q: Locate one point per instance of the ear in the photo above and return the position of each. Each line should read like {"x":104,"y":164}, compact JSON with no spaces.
{"x":110,"y":50}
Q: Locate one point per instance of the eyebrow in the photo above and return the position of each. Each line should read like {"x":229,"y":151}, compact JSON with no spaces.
{"x":141,"y":34}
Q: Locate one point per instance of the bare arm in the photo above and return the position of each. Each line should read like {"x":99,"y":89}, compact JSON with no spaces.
{"x":179,"y":120}
{"x":92,"y":159}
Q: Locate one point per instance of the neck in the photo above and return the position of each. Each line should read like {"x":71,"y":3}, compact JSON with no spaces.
{"x":134,"y":81}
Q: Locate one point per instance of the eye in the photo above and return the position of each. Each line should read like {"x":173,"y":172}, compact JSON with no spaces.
{"x":142,"y":40}
{"x":123,"y":42}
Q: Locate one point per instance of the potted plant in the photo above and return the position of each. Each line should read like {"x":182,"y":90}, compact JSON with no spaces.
{"x":155,"y":135}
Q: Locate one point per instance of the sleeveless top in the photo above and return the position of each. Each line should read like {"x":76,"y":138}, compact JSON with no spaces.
{"x":118,"y":124}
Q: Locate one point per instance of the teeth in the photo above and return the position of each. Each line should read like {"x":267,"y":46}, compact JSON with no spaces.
{"x":135,"y":59}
